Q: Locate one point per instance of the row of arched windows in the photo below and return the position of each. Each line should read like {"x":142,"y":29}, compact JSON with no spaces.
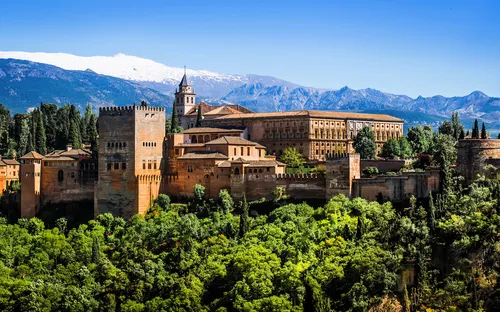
{"x":149,"y":144}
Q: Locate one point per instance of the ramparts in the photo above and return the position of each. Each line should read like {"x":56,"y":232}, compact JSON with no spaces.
{"x":474,"y":154}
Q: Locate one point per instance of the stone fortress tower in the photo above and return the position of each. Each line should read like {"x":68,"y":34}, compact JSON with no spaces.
{"x":130,"y":161}
{"x":31,"y":168}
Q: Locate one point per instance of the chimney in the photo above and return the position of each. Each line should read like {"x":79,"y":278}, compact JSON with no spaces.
{"x":69,"y":147}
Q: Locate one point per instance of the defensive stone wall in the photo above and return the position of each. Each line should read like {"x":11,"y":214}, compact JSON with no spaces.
{"x":299,"y":186}
{"x":65,"y":184}
{"x":397,"y":188}
{"x":474,"y":154}
{"x":384,"y":166}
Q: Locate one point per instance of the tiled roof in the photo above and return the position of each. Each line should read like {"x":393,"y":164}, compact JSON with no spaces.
{"x":191,"y":144}
{"x":207,"y":109}
{"x":317,"y":114}
{"x":265,"y":163}
{"x":10,"y":161}
{"x":232,"y":140}
{"x":222,"y":110}
{"x":224,"y":164}
{"x":32,"y":155}
{"x":203,"y":155}
{"x":210,"y":130}
{"x":73,"y":153}
{"x":239,"y":161}
{"x":59,"y":158}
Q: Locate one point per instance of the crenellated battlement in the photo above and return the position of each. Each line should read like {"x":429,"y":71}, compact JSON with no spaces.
{"x":336,"y":156}
{"x":149,"y":178}
{"x":114,"y":110}
{"x":299,"y":176}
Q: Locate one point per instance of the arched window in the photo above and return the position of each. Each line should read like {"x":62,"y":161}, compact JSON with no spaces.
{"x":237,"y":171}
{"x":60,"y":176}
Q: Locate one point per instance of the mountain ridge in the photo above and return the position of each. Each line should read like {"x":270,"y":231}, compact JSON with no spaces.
{"x":259,"y":93}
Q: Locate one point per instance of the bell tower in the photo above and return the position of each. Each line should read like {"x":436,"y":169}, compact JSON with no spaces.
{"x":185,"y":98}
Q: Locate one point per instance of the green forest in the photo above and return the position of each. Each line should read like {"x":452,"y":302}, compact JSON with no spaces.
{"x":348,"y":255}
{"x":46,"y":128}
{"x":200,"y":254}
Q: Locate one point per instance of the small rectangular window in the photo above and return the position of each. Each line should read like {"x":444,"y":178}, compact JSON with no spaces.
{"x":149,"y":165}
{"x":176,"y":151}
{"x":248,"y":151}
{"x":143,"y":165}
{"x":154,"y":165}
{"x":117,"y":166}
{"x":124,"y":166}
{"x":109,"y":166}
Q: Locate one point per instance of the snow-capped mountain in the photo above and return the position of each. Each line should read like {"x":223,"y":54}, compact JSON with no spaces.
{"x":148,"y":72}
{"x":121,"y":66}
{"x":29,"y":78}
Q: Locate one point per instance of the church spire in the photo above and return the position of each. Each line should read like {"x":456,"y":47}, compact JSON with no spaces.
{"x":184,"y":81}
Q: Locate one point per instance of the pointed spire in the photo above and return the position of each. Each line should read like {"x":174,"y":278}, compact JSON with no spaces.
{"x":184,"y":81}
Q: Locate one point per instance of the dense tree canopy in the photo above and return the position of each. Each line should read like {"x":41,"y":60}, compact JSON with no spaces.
{"x":364,"y":143}
{"x":292,"y":158}
{"x":47,"y":128}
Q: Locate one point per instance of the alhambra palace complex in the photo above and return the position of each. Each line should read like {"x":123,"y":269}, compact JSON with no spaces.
{"x":235,"y":149}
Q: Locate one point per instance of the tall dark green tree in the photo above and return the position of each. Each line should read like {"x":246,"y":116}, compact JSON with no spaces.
{"x":40,"y":138}
{"x":484,"y":135}
{"x":4,"y":118}
{"x":199,"y":118}
{"x":244,"y":217}
{"x":4,"y":142}
{"x":63,"y":126}
{"x":174,"y":121}
{"x":91,"y":131}
{"x":364,"y":143}
{"x":74,"y":127}
{"x":475,"y":130}
{"x":462,"y":135}
{"x":22,"y":133}
{"x":49,"y":112}
{"x":85,"y":123}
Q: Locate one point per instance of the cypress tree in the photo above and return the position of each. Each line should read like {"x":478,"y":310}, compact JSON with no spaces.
{"x":475,"y":130}
{"x":359,"y":229}
{"x":483,"y":132}
{"x":4,"y":142}
{"x":244,"y":217}
{"x":91,"y":131}
{"x":49,"y":112}
{"x":462,"y":135}
{"x":199,"y":118}
{"x":406,"y":300}
{"x":63,"y":125}
{"x":74,"y":127}
{"x":432,"y":213}
{"x":22,"y":132}
{"x":31,"y":136}
{"x":40,"y":137}
{"x":174,"y":123}
{"x":86,"y":123}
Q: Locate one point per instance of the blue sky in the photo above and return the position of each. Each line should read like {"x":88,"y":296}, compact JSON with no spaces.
{"x":405,"y":47}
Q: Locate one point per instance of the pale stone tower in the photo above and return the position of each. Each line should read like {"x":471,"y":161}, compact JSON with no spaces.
{"x":31,"y":170}
{"x":185,"y":98}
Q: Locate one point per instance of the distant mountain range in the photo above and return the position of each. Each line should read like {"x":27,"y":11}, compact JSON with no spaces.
{"x":26,"y":79}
